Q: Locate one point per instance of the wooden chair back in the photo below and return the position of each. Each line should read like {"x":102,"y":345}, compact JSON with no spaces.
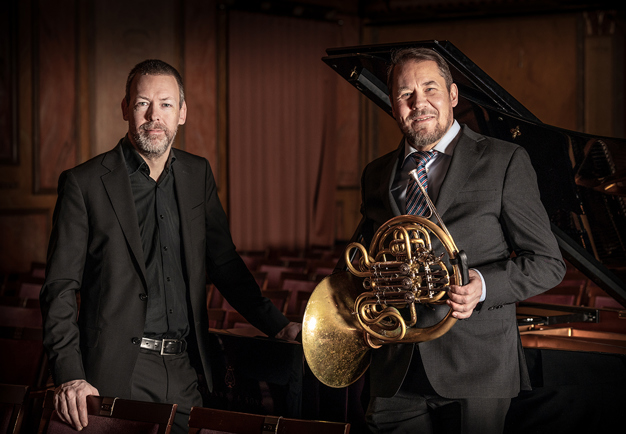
{"x":12,"y":407}
{"x":109,"y":415}
{"x":214,"y":421}
{"x":299,"y":426}
{"x":22,"y":359}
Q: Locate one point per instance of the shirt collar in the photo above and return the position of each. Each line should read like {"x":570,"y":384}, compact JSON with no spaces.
{"x":134,"y":161}
{"x":445,"y":146}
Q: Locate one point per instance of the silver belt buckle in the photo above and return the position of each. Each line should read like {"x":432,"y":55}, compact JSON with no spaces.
{"x":163,"y":345}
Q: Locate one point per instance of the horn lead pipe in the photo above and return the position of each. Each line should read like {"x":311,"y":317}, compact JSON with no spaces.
{"x":431,"y":205}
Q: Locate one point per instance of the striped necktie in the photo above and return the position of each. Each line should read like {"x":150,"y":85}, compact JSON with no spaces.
{"x":415,"y":201}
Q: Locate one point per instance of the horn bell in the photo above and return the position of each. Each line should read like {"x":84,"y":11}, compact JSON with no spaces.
{"x":332,"y":338}
{"x":375,"y":303}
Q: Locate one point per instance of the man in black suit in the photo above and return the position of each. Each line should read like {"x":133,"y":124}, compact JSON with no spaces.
{"x":135,"y":232}
{"x":486,"y":192}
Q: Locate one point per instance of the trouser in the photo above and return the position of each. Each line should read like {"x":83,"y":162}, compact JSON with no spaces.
{"x":167,"y":379}
{"x":408,"y":412}
{"x":417,"y":408}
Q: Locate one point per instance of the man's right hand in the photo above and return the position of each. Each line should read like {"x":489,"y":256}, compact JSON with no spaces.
{"x":70,"y":402}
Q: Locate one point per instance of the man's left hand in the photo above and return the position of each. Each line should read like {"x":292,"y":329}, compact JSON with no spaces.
{"x":463,"y":299}
{"x":290,"y":331}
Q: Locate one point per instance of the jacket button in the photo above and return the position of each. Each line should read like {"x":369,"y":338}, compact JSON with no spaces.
{"x":143,"y":297}
{"x":136,"y":341}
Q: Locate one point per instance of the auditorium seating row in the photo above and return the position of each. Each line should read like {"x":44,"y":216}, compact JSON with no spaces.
{"x":113,"y":415}
{"x":577,"y":290}
{"x":23,"y":365}
{"x":288,"y":280}
{"x":290,"y":294}
{"x":286,"y":277}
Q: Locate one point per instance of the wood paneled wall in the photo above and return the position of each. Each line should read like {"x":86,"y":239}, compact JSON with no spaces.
{"x":65,"y":65}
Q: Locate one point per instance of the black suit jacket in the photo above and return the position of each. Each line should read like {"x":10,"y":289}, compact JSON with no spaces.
{"x":95,"y":249}
{"x":489,"y":201}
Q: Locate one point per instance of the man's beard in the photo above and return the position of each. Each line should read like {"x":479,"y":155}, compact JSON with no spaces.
{"x":420,"y":139}
{"x":153,"y":147}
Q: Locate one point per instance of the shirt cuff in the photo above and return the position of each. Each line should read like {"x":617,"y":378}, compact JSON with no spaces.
{"x":482,"y":281}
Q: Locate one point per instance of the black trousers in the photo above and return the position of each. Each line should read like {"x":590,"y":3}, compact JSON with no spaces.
{"x":167,"y":379}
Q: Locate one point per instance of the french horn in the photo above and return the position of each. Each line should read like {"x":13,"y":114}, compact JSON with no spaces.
{"x":374,"y":303}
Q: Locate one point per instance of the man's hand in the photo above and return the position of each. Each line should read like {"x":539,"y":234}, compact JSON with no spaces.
{"x":290,"y":331}
{"x":463,"y":299}
{"x":70,"y":402}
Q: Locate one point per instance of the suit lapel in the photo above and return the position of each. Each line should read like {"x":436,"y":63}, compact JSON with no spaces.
{"x":389,"y":173}
{"x":467,"y":152}
{"x":117,"y":186}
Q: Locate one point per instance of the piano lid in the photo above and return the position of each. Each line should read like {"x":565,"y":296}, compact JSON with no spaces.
{"x":581,"y":177}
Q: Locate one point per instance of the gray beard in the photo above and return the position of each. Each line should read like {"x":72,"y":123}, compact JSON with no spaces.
{"x":153,"y":148}
{"x":418,"y":139}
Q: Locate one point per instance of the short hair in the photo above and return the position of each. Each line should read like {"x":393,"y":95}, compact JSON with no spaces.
{"x":155,"y":67}
{"x":404,"y":55}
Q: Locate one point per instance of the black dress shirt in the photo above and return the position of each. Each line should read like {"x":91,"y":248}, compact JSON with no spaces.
{"x":159,"y":226}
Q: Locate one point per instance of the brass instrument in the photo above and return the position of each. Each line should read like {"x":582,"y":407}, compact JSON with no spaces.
{"x":341,"y":324}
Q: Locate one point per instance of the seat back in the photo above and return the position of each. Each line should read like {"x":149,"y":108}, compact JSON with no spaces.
{"x":299,"y":426}
{"x":569,"y":292}
{"x":30,"y":287}
{"x":212,"y":421}
{"x":279,"y":297}
{"x":19,"y":316}
{"x":234,"y":319}
{"x":214,"y":298}
{"x":112,"y":416}
{"x":301,"y":287}
{"x":216,"y":317}
{"x":12,"y":407}
{"x":274,"y":271}
{"x":22,"y":359}
{"x":261,"y":279}
{"x":596,"y":297}
{"x":252,"y":258}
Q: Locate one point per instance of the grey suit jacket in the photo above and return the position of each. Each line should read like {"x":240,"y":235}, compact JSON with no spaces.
{"x":95,"y":249}
{"x":489,"y":201}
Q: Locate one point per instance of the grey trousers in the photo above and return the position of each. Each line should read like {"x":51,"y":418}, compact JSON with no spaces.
{"x":417,"y":408}
{"x":408,"y":412}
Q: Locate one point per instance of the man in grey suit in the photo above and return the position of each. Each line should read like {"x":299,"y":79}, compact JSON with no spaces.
{"x":136,"y":231}
{"x":486,"y":192}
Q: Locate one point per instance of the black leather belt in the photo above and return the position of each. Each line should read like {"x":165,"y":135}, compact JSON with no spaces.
{"x":164,"y":346}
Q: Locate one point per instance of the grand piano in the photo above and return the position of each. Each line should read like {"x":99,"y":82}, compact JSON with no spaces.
{"x":575,"y":350}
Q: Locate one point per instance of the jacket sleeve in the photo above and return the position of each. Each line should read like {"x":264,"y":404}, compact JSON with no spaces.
{"x":536,"y":264}
{"x":65,"y":264}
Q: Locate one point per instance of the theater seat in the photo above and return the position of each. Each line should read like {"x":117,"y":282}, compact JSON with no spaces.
{"x":112,"y":416}
{"x":22,"y":358}
{"x":299,"y":426}
{"x":12,"y":407}
{"x":213,"y":421}
{"x":216,"y":317}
